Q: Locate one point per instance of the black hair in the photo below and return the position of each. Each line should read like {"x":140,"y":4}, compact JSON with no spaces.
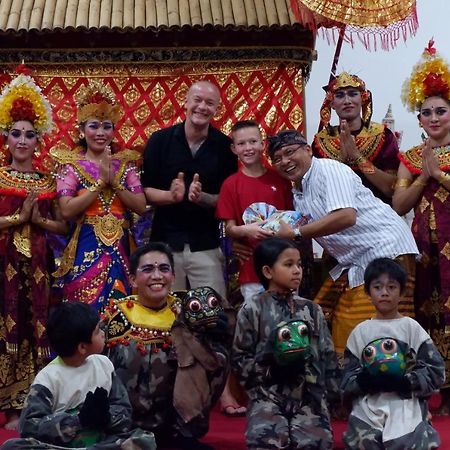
{"x":240,"y":124}
{"x":161,"y":247}
{"x":387,"y":266}
{"x":69,"y":325}
{"x":266,"y":253}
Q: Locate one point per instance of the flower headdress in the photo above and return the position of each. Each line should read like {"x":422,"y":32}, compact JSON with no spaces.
{"x":429,"y":77}
{"x":22,"y":99}
{"x":346,"y":80}
{"x":97,"y":101}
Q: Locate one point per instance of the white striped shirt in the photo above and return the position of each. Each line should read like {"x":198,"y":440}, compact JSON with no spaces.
{"x":378,"y":232}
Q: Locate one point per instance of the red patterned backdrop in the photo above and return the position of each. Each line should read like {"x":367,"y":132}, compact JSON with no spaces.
{"x":152,"y":95}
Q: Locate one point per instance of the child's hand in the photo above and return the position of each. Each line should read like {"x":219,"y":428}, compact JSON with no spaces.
{"x":95,"y":410}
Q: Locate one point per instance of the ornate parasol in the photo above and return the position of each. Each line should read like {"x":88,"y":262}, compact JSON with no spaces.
{"x":372,"y":21}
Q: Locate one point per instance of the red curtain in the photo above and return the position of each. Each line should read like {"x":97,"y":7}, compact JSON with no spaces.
{"x":152,"y":95}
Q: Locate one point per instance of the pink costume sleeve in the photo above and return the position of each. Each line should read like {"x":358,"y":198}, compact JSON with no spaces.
{"x":133,"y":183}
{"x":67,"y":182}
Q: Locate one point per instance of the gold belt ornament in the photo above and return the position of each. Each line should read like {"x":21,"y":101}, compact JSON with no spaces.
{"x":109,"y":229}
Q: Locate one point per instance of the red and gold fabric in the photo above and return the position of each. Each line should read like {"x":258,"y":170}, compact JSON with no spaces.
{"x":25,"y":266}
{"x":152,"y":96}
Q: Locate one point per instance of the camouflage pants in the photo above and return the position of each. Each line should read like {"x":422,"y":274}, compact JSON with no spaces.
{"x":361,"y":436}
{"x":137,"y":440}
{"x":286,"y":424}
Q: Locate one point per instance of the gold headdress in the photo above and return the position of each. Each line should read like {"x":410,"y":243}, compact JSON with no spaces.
{"x":430,"y":77}
{"x":97,"y":101}
{"x":346,"y":80}
{"x":22,"y":99}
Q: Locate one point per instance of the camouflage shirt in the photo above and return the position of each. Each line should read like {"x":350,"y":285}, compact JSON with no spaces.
{"x":256,"y":320}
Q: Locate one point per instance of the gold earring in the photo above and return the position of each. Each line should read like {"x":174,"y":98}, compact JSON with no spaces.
{"x":81,"y":135}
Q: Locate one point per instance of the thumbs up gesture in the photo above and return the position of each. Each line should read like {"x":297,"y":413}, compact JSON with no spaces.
{"x":195,"y":189}
{"x":177,"y":188}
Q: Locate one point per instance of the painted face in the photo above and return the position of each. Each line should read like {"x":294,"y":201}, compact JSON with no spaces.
{"x":201,"y":104}
{"x":291,"y":343}
{"x":22,"y":141}
{"x":384,"y":356}
{"x":153,"y":279}
{"x":98,"y":134}
{"x":286,"y":274}
{"x":200,"y":307}
{"x":292,"y":161}
{"x":347,"y":103}
{"x":385,"y":294}
{"x":248,"y":145}
{"x":435,"y":119}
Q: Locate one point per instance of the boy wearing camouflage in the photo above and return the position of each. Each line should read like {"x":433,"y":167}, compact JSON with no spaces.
{"x":77,"y":401}
{"x":391,"y":369}
{"x":284,"y":357}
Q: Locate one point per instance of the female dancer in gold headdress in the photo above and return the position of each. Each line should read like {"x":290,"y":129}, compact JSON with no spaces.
{"x":26,"y":215}
{"x":98,"y":188}
{"x":424,"y":184}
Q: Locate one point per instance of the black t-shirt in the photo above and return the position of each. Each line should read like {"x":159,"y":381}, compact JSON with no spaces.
{"x":166,"y":154}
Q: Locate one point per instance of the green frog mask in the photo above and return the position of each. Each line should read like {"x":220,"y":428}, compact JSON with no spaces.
{"x":384,"y":356}
{"x":291,"y":342}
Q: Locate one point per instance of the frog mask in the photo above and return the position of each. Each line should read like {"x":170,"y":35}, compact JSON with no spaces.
{"x":291,"y":342}
{"x":384,"y":356}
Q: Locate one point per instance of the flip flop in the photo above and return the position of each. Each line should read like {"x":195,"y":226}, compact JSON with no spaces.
{"x":233,"y":411}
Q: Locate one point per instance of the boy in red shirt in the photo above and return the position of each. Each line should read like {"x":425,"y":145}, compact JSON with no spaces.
{"x":254,"y":182}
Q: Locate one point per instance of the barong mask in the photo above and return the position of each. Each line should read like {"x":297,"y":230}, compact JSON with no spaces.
{"x":291,"y":342}
{"x":97,"y":101}
{"x":201,"y":308}
{"x":430,"y":77}
{"x":346,"y":80}
{"x":22,"y":99}
{"x":384,"y":356}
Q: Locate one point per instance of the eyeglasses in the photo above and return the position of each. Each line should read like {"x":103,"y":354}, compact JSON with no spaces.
{"x":287,"y":153}
{"x":150,"y":268}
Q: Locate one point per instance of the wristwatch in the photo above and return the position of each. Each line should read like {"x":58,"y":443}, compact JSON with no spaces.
{"x":297,"y":234}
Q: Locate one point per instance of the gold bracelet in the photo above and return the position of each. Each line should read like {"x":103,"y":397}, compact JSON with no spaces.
{"x":365,"y":166}
{"x":14,"y":219}
{"x":417,"y":182}
{"x":44,"y":220}
{"x":403,"y":182}
{"x":444,"y":178}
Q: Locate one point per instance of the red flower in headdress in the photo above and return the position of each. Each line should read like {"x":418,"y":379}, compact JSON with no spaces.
{"x":434,"y":84}
{"x":22,"y":109}
{"x":430,"y":48}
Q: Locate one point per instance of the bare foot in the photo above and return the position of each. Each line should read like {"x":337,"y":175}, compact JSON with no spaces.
{"x":13,"y":422}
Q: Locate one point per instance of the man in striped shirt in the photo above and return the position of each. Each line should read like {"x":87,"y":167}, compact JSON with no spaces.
{"x":350,"y":223}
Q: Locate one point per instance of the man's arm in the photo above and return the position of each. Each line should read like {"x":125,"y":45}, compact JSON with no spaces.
{"x":335,"y":221}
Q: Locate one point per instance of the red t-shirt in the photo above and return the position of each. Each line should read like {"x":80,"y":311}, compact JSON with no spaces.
{"x":239,"y":191}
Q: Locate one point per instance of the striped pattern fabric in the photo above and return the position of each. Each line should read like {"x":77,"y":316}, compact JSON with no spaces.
{"x":379,"y":231}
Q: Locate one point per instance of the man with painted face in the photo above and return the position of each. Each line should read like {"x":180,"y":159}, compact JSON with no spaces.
{"x":350,"y":223}
{"x":173,"y":375}
{"x":369,"y":148}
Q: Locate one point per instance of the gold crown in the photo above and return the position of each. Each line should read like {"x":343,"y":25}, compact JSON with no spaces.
{"x":346,"y":80}
{"x":97,"y":101}
{"x":22,"y":99}
{"x":430,"y":77}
